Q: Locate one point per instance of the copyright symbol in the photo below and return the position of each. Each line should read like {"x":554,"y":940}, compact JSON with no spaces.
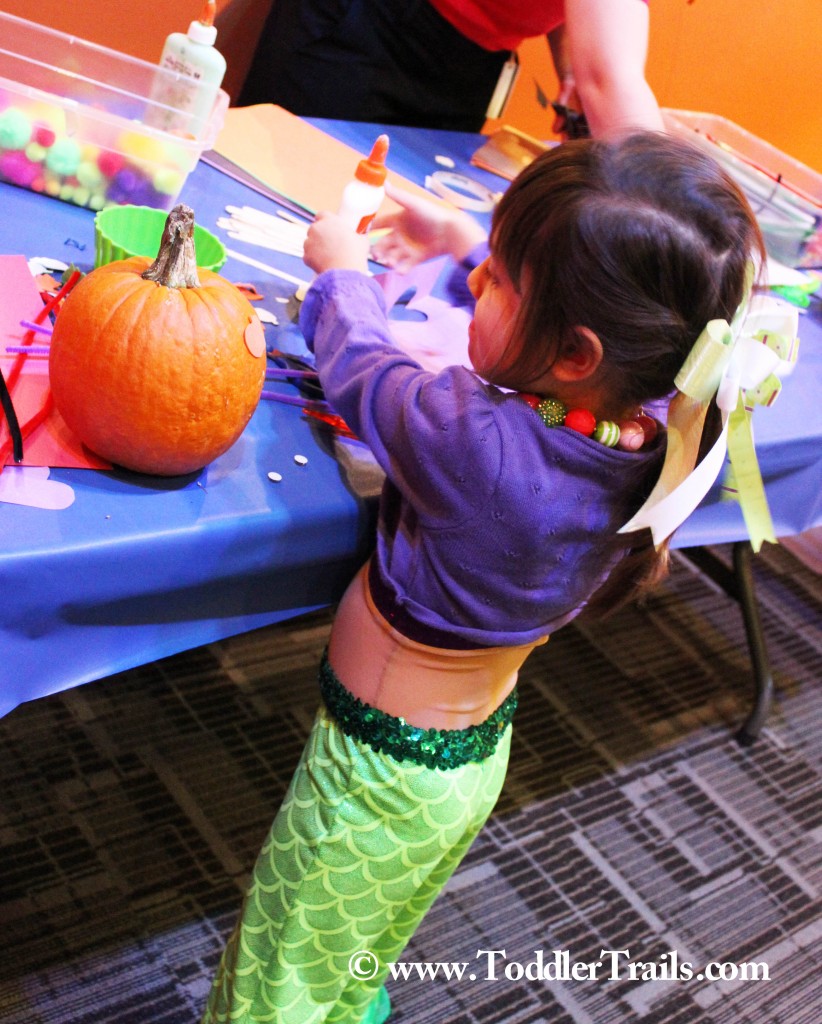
{"x":363,"y":965}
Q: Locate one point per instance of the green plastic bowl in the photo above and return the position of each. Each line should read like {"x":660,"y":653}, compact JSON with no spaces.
{"x":124,"y":231}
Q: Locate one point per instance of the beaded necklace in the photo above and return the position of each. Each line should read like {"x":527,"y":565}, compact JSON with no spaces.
{"x":629,"y":435}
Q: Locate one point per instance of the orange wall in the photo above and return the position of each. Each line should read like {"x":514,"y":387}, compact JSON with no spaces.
{"x":756,"y":63}
{"x":144,"y":32}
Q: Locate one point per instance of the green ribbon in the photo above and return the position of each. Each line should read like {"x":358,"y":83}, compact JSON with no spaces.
{"x":742,"y":479}
{"x":736,"y":364}
{"x":700,"y":374}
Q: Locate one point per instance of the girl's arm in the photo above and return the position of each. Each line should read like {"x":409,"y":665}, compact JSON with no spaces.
{"x":429,"y":432}
{"x":423,"y":229}
{"x":420,"y":230}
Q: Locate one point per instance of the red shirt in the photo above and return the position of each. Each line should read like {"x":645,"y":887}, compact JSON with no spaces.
{"x":501,"y":26}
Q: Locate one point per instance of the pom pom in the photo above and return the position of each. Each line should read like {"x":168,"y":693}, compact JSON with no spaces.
{"x":44,"y":136}
{"x":15,"y":129}
{"x":63,"y":157}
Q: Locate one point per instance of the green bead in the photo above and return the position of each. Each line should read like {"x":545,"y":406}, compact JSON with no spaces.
{"x":552,"y":412}
{"x":607,"y":433}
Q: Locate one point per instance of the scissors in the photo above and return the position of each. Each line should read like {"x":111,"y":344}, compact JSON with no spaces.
{"x":574,"y":124}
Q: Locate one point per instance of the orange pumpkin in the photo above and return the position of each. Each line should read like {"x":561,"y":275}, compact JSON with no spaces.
{"x":157,"y":367}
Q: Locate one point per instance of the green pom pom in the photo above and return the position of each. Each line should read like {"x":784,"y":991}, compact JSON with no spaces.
{"x":64,"y":157}
{"x":15,"y":129}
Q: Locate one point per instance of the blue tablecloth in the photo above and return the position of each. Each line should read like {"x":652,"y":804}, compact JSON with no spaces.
{"x":138,"y":568}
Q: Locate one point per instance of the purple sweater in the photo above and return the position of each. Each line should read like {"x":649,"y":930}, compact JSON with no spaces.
{"x":493,"y":529}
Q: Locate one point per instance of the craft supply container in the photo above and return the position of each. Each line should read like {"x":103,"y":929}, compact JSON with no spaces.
{"x":785,"y":195}
{"x":92,"y":126}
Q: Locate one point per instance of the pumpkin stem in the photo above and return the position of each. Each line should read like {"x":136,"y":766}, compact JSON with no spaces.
{"x":176,"y":263}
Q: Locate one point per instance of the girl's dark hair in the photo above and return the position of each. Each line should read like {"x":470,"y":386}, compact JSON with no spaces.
{"x":642,"y":240}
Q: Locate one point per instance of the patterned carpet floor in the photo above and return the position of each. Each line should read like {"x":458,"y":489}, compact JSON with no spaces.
{"x":131,"y":811}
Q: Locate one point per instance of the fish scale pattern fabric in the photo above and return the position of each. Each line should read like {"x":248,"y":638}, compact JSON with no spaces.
{"x":358,"y":852}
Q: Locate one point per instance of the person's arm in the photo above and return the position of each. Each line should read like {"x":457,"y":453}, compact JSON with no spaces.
{"x":424,"y":429}
{"x":605,"y":47}
{"x":422,"y":229}
{"x":567,"y":95}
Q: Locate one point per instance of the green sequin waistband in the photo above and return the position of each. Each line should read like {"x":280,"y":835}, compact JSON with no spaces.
{"x":433,"y":748}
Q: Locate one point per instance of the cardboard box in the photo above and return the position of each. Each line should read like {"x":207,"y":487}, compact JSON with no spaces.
{"x":785,"y":195}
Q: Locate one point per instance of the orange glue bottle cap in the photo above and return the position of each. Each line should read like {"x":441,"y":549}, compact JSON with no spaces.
{"x":203,"y":30}
{"x":372,"y":170}
{"x":209,"y":10}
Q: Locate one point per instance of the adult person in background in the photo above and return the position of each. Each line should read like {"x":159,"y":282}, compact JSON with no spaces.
{"x":436,"y":63}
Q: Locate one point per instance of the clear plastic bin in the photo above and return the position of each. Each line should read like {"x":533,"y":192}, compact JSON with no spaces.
{"x":786,"y":195}
{"x":94,"y":127}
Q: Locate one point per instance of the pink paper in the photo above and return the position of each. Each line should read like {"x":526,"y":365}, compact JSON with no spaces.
{"x":52,"y":444}
{"x":439,"y":339}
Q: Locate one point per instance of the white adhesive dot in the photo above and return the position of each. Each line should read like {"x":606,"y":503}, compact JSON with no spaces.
{"x":444,"y":161}
{"x":301,"y":460}
{"x":276,"y":477}
{"x":267,"y":316}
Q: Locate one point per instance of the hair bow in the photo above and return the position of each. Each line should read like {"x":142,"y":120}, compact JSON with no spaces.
{"x":739,"y":363}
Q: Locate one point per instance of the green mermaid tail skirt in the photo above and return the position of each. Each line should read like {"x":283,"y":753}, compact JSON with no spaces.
{"x":358,"y":852}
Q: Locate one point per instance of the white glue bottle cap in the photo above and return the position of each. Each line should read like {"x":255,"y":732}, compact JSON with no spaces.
{"x":204,"y":30}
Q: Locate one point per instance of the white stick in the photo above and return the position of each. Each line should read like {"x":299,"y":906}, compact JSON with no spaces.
{"x":264,"y":266}
{"x":266,"y":243}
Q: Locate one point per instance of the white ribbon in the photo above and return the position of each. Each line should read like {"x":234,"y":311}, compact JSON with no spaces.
{"x":738,"y":363}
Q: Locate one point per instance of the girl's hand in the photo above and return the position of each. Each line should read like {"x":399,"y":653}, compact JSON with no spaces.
{"x":422,"y":230}
{"x":332,"y":245}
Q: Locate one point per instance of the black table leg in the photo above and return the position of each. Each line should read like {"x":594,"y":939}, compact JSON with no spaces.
{"x":756,"y":642}
{"x":738,"y":583}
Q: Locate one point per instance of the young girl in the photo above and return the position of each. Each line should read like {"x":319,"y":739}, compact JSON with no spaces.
{"x":497,"y":524}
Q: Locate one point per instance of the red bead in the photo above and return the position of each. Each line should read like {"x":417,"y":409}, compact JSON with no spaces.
{"x":649,"y":425}
{"x":581,"y":420}
{"x":631,"y":436}
{"x":529,"y":399}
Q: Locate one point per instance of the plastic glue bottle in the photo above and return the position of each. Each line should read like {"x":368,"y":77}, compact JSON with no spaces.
{"x":192,"y":54}
{"x":363,"y":195}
